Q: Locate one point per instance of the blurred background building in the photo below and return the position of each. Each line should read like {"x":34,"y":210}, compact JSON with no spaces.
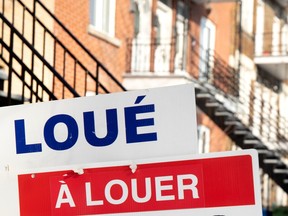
{"x":234,"y":51}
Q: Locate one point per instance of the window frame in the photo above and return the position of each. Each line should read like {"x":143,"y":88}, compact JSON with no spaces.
{"x":94,"y":30}
{"x":97,"y":21}
{"x":203,"y":144}
{"x":247,"y":16}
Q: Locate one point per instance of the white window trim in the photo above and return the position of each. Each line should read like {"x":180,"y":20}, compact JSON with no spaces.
{"x":208,"y":28}
{"x":203,"y":130}
{"x":112,"y":40}
{"x":260,"y":14}
{"x":276,"y":29}
{"x":106,"y":36}
{"x":247,"y":16}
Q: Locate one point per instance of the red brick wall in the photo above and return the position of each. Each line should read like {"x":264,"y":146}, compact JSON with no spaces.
{"x":75,"y":16}
{"x":219,"y":141}
{"x":197,"y":11}
{"x":223,"y":16}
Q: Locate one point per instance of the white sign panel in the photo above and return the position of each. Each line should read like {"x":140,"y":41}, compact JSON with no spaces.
{"x":120,"y":126}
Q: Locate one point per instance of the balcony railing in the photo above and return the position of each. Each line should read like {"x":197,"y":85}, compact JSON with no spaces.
{"x":144,"y":55}
{"x":164,"y":58}
{"x":45,"y":64}
{"x":271,"y":44}
{"x":210,"y":68}
{"x":256,"y":105}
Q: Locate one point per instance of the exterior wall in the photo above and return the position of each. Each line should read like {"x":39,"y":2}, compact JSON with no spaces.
{"x":247,"y":36}
{"x":25,"y":27}
{"x":272,"y":195}
{"x":110,"y":52}
{"x":219,"y":141}
{"x":268,"y":23}
{"x":223,"y":15}
{"x":259,"y":95}
{"x":197,"y":11}
{"x":273,"y":35}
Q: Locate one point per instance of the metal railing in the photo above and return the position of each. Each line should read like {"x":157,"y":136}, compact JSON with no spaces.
{"x":158,"y":57}
{"x":254,"y":104}
{"x":213,"y":70}
{"x":144,"y":55}
{"x":45,"y":65}
{"x":271,"y":44}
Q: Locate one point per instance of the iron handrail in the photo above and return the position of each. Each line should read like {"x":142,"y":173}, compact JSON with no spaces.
{"x":81,"y":45}
{"x":224,"y":81}
{"x":39,"y":56}
{"x":59,"y":46}
{"x":270,"y":128}
{"x":268,"y":47}
{"x":39,"y":82}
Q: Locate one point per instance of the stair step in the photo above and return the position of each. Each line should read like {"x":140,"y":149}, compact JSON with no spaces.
{"x":223,"y":113}
{"x":241,"y":132}
{"x":272,"y":158}
{"x":263,"y":151}
{"x":3,"y":77}
{"x":212,"y":103}
{"x":252,"y":141}
{"x":203,"y":95}
{"x":199,"y":86}
{"x":3,"y":74}
{"x":15,"y":99}
{"x":210,"y":87}
{"x":258,"y":145}
{"x":250,"y":136}
{"x":232,"y":122}
{"x":241,"y":127}
{"x":271,"y":161}
{"x":280,"y":171}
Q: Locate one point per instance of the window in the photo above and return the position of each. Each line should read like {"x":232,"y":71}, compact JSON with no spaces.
{"x":207,"y":46}
{"x":102,"y":16}
{"x":203,"y":139}
{"x":247,"y":16}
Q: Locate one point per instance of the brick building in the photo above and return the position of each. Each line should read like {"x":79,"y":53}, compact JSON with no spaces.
{"x":234,"y":51}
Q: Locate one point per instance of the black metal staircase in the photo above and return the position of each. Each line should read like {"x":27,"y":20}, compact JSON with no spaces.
{"x":270,"y":161}
{"x":222,"y":85}
{"x":249,"y":118}
{"x":37,"y":61}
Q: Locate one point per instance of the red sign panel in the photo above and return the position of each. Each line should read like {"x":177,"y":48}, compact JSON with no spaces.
{"x":201,"y":183}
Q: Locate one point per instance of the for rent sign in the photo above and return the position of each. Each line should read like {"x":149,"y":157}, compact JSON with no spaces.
{"x":69,"y":134}
{"x":112,"y":127}
{"x":214,"y":184}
